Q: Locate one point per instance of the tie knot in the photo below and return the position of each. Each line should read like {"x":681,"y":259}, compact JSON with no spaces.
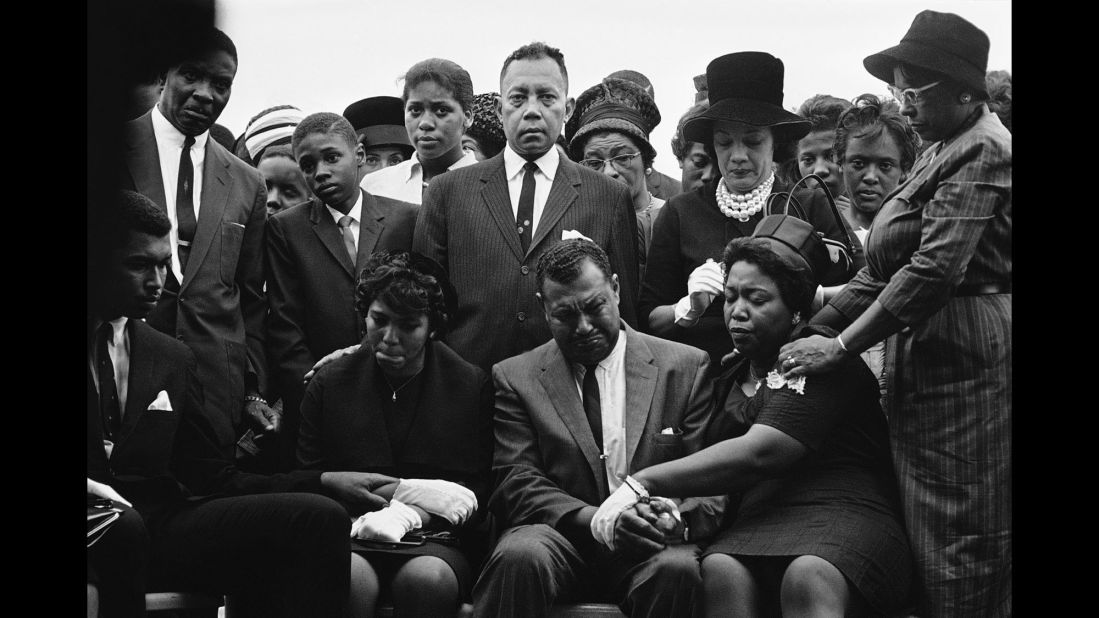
{"x":530,"y":167}
{"x":590,"y":369}
{"x":188,"y":141}
{"x":345,"y":221}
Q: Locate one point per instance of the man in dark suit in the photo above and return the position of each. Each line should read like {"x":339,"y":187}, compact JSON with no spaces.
{"x":313,"y":259}
{"x":200,"y":522}
{"x":487,"y":224}
{"x":573,"y":418}
{"x":213,"y":300}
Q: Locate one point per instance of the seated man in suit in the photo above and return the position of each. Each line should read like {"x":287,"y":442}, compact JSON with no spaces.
{"x":574,"y":417}
{"x":488,"y":223}
{"x":314,"y":255}
{"x":278,"y":554}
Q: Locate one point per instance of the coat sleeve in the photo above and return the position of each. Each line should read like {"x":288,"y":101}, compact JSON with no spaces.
{"x":430,"y":235}
{"x":523,"y":494}
{"x":664,"y":283}
{"x":624,"y":258}
{"x":287,"y":352}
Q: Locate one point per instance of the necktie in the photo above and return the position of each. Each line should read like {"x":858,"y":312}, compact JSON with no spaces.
{"x":592,"y":407}
{"x":525,"y":215}
{"x":185,"y":204}
{"x":348,"y":237}
{"x":109,"y":408}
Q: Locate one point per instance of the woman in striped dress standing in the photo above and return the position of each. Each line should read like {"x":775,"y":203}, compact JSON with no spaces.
{"x":937,"y":288}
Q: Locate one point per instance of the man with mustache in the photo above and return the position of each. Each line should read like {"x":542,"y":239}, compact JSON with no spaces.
{"x":574,"y":417}
{"x":213,"y":299}
{"x":488,"y":223}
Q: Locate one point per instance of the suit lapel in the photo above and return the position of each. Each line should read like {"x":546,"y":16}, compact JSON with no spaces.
{"x":560,"y":385}
{"x":216,"y":182}
{"x":139,"y":387}
{"x":641,"y":376}
{"x":563,"y":192}
{"x":371,"y":225}
{"x":498,"y":201}
{"x":330,"y":236}
{"x":143,"y":164}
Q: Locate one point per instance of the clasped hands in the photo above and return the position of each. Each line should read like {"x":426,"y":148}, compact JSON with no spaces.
{"x":704,"y":284}
{"x":390,"y":520}
{"x":636,"y":523}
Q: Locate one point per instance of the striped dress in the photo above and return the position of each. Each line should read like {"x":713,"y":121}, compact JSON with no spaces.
{"x":948,"y":373}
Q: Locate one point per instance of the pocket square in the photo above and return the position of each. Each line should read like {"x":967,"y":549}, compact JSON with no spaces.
{"x":669,"y":431}
{"x":240,"y":225}
{"x":567,"y":234}
{"x":161,"y":402}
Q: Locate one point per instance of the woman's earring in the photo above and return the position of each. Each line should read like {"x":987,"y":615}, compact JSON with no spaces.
{"x":797,"y":317}
{"x":648,"y":170}
{"x":965,"y":98}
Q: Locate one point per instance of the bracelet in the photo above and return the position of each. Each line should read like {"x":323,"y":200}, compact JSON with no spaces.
{"x":256,"y":398}
{"x":840,"y":341}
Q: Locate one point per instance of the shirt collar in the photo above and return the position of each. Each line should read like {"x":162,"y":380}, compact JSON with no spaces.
{"x":547,"y":163}
{"x":414,"y":171}
{"x":355,"y":213}
{"x":167,"y":135}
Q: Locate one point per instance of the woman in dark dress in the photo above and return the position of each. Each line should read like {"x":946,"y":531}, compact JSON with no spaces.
{"x":818,"y":530}
{"x":405,"y":405}
{"x":746,"y":131}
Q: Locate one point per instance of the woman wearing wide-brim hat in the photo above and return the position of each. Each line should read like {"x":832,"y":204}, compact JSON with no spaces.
{"x":747,"y":132}
{"x":937,"y":288}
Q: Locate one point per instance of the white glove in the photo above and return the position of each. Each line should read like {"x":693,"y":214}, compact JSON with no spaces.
{"x":443,"y":498}
{"x":388,"y":524}
{"x":704,"y":284}
{"x":602,"y":524}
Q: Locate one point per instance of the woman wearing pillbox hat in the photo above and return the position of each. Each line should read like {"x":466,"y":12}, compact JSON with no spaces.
{"x":265,"y":144}
{"x":379,"y":123}
{"x":609,"y":133}
{"x":937,"y":289}
{"x":745,"y":130}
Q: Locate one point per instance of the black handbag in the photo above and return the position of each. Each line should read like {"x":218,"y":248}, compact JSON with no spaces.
{"x":799,"y":234}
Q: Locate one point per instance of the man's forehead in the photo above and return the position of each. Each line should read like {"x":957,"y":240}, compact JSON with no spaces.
{"x":211,"y":60}
{"x":534,"y":72}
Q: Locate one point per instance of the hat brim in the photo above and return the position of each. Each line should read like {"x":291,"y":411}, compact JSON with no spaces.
{"x":784,"y":125}
{"x":612,"y":124}
{"x":383,"y":135}
{"x":881,"y":65}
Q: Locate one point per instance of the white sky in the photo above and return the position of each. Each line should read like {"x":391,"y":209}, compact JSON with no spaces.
{"x":321,"y":55}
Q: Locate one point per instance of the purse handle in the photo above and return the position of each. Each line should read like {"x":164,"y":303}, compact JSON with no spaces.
{"x":848,"y":244}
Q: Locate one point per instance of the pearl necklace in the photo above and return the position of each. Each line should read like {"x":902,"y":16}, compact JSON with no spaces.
{"x":742,"y":206}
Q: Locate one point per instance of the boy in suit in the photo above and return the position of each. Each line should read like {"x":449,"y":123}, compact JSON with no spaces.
{"x":315,"y":252}
{"x":204,"y":524}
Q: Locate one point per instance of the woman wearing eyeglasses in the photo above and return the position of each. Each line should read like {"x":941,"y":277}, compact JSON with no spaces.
{"x":937,"y":288}
{"x":609,"y":133}
{"x":745,"y":131}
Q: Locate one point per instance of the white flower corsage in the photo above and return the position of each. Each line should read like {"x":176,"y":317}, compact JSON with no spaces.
{"x":776,"y":381}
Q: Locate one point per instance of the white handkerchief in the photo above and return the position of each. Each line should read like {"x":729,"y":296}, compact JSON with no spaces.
{"x":669,"y":431}
{"x":567,"y":234}
{"x":161,"y":402}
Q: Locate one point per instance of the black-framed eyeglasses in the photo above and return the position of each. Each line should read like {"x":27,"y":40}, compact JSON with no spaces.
{"x":620,"y":162}
{"x":910,"y":96}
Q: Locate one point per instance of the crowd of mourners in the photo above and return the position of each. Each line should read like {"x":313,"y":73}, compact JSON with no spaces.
{"x":456,"y":352}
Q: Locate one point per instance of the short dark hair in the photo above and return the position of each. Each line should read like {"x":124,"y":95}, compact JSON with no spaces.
{"x":409,"y":284}
{"x":681,"y":145}
{"x":206,"y":41}
{"x":445,"y":73}
{"x":823,"y":111}
{"x":324,"y":123}
{"x":535,"y":51}
{"x":796,"y":285}
{"x":869,"y":118}
{"x":131,"y":212}
{"x":563,"y":261}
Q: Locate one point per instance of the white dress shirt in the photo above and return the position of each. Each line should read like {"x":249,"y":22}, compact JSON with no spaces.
{"x":610,"y":373}
{"x":169,"y":146}
{"x":543,"y":181}
{"x":118,"y":346}
{"x":405,"y":181}
{"x":356,"y":215}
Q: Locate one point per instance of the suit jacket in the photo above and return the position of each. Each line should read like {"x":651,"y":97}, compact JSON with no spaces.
{"x":163,"y":458}
{"x":450,"y":437}
{"x":546,"y":460}
{"x":220,"y":308}
{"x":466,"y":223}
{"x":311,"y":283}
